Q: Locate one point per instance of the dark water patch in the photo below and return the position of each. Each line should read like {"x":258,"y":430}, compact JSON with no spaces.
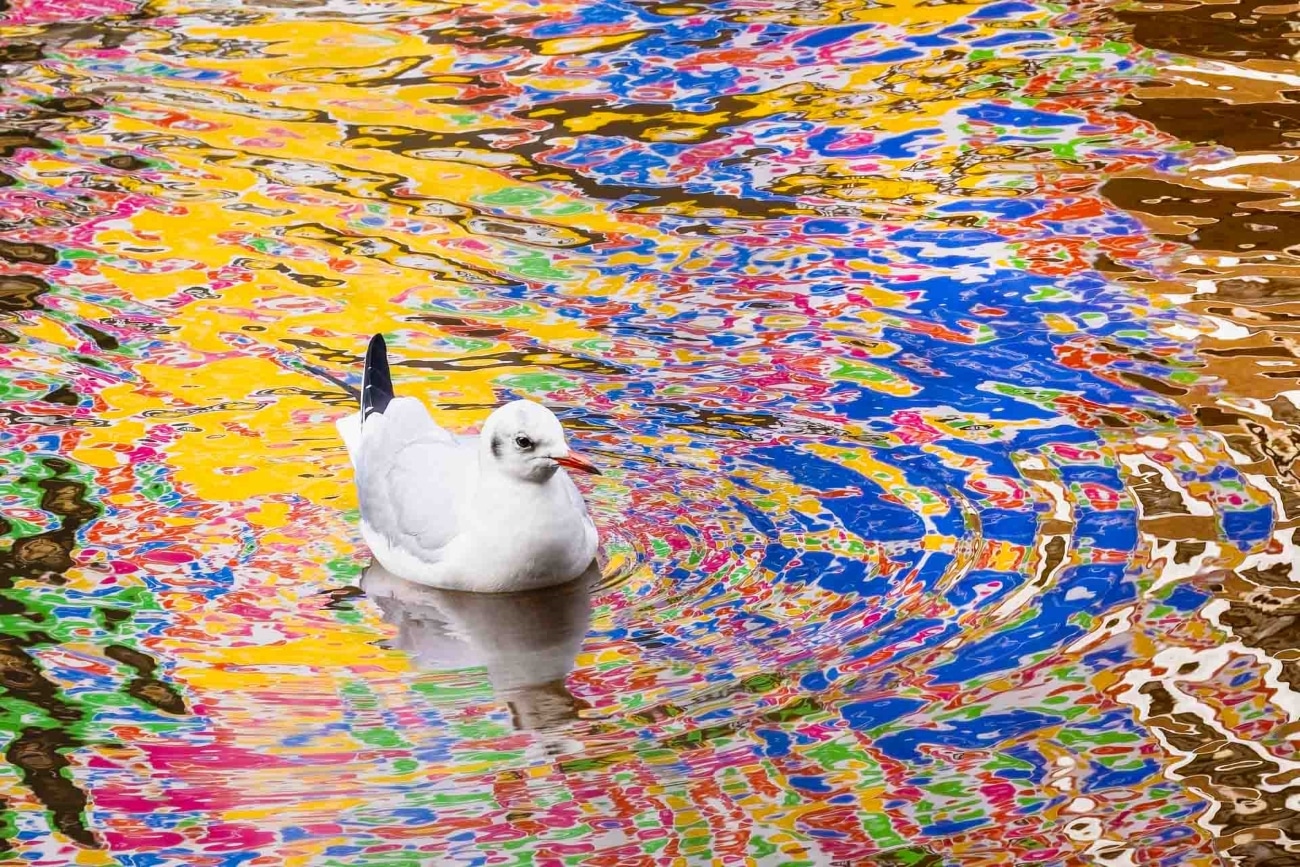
{"x":38,"y":753}
{"x":461,"y":327}
{"x":1250,"y":352}
{"x":21,"y":52}
{"x":1251,"y":852}
{"x":488,"y":38}
{"x":102,"y":339}
{"x":324,"y":353}
{"x":69,"y":104}
{"x":62,"y":395}
{"x":1281,"y":447}
{"x":20,"y":292}
{"x":1107,"y":265}
{"x":1150,"y":383}
{"x":22,"y":680}
{"x":146,"y":687}
{"x":1249,"y":30}
{"x":124,"y":162}
{"x":1157,"y":500}
{"x":114,"y":617}
{"x":1242,"y":126}
{"x":37,"y":614}
{"x":313,"y":281}
{"x":18,"y":251}
{"x":14,"y":140}
{"x":50,"y":551}
{"x":341,"y":598}
{"x":1236,"y":225}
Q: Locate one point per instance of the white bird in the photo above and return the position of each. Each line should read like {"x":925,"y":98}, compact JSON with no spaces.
{"x":492,"y":513}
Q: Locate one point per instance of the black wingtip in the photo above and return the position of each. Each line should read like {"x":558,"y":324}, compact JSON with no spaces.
{"x":376,"y":381}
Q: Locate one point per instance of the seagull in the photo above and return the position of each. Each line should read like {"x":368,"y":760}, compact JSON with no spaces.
{"x":492,"y":514}
{"x":528,"y":641}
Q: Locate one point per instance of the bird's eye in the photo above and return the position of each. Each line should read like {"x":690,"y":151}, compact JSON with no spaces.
{"x":524,"y":443}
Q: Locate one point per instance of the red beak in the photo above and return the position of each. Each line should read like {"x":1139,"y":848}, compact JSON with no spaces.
{"x":576,"y":462}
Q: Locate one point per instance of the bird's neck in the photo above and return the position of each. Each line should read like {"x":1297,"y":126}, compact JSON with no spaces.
{"x":494,"y":477}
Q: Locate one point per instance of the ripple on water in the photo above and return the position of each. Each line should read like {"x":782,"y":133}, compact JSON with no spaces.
{"x":936,"y":355}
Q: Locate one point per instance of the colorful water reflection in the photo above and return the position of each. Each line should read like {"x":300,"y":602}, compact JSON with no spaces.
{"x":938,"y":355}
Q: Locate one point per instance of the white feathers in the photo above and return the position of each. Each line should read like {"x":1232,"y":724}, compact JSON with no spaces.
{"x":349,"y":427}
{"x":490,"y":514}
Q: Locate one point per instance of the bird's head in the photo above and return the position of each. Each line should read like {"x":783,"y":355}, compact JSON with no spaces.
{"x":525,"y":440}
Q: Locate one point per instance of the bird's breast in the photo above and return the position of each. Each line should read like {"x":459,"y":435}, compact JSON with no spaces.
{"x":530,"y":538}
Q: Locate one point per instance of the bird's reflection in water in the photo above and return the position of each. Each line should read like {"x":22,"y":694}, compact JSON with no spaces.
{"x":527,"y":641}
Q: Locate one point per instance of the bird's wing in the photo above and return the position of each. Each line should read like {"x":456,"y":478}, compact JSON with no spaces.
{"x":412,"y":478}
{"x":349,"y":428}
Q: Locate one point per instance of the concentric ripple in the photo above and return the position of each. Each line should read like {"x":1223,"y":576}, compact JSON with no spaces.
{"x":937,"y":356}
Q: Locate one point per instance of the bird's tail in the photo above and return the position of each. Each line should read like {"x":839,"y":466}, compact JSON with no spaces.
{"x":376,"y":381}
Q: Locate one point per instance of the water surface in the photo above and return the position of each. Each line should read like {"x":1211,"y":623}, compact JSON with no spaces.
{"x":939,"y":356}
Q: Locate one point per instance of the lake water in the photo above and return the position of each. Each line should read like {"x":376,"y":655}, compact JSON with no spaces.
{"x":941,"y":358}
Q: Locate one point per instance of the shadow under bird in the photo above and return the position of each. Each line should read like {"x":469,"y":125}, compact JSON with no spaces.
{"x":527,"y":640}
{"x":491,"y":514}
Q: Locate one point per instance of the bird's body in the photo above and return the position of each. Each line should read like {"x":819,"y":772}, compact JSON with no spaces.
{"x":492,"y":513}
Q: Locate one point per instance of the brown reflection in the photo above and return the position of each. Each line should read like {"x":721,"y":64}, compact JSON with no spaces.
{"x":37,"y":753}
{"x":14,"y":140}
{"x":21,"y":291}
{"x":15,"y":251}
{"x":1248,"y":126}
{"x":69,"y":104}
{"x":1256,"y":29}
{"x":62,"y":395}
{"x":1239,"y":268}
{"x":1208,"y":219}
{"x":146,"y":687}
{"x":124,"y":162}
{"x":21,"y":52}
